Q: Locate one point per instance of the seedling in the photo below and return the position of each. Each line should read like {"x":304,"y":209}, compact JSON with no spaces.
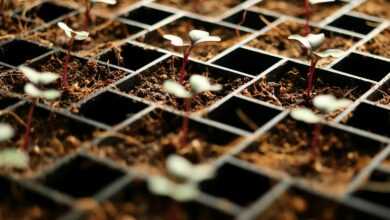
{"x":325,"y":103}
{"x":190,"y":175}
{"x":72,"y":35}
{"x":196,"y":37}
{"x":12,"y":157}
{"x":310,"y":43}
{"x":199,"y":84}
{"x":307,"y":9}
{"x":88,"y":8}
{"x":32,"y":90}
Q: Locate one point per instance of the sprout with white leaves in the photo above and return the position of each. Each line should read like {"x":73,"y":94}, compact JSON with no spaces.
{"x":306,"y":115}
{"x":181,"y":168}
{"x":196,"y":37}
{"x":311,"y":43}
{"x":329,"y":103}
{"x":88,"y":8}
{"x":325,"y":103}
{"x":72,"y":35}
{"x":199,"y":84}
{"x":32,"y":89}
{"x":6,"y":132}
{"x":11,"y":158}
{"x":179,"y":191}
{"x":36,"y":78}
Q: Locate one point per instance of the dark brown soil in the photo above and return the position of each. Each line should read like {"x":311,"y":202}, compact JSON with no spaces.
{"x":16,"y":205}
{"x":138,"y":204}
{"x":53,"y":137}
{"x":203,"y":7}
{"x":12,"y":210}
{"x":148,"y":84}
{"x":183,"y":26}
{"x":103,"y":34}
{"x":378,"y":8}
{"x":11,"y":5}
{"x":276,"y":41}
{"x":379,"y":45}
{"x":12,"y":27}
{"x":296,"y":8}
{"x":289,"y":90}
{"x":84,"y":77}
{"x":295,"y":205}
{"x":286,"y":148}
{"x":150,"y":140}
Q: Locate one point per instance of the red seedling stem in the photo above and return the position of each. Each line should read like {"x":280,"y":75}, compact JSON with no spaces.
{"x":87,"y":21}
{"x":315,"y":140}
{"x":311,"y":76}
{"x":242,"y":21}
{"x":64,"y":78}
{"x":182,"y":71}
{"x":307,"y":18}
{"x":27,"y":133}
{"x":185,"y":122}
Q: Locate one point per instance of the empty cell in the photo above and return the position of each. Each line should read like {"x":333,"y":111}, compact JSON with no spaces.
{"x":247,"y":61}
{"x":238,"y":185}
{"x":130,"y":56}
{"x":10,"y":53}
{"x":363,"y":66}
{"x":81,"y":177}
{"x":6,"y":101}
{"x":370,"y":118}
{"x":147,"y":15}
{"x":47,"y":11}
{"x":243,"y":114}
{"x":375,"y":189}
{"x":250,"y":19}
{"x":354,"y":24}
{"x":110,"y":108}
